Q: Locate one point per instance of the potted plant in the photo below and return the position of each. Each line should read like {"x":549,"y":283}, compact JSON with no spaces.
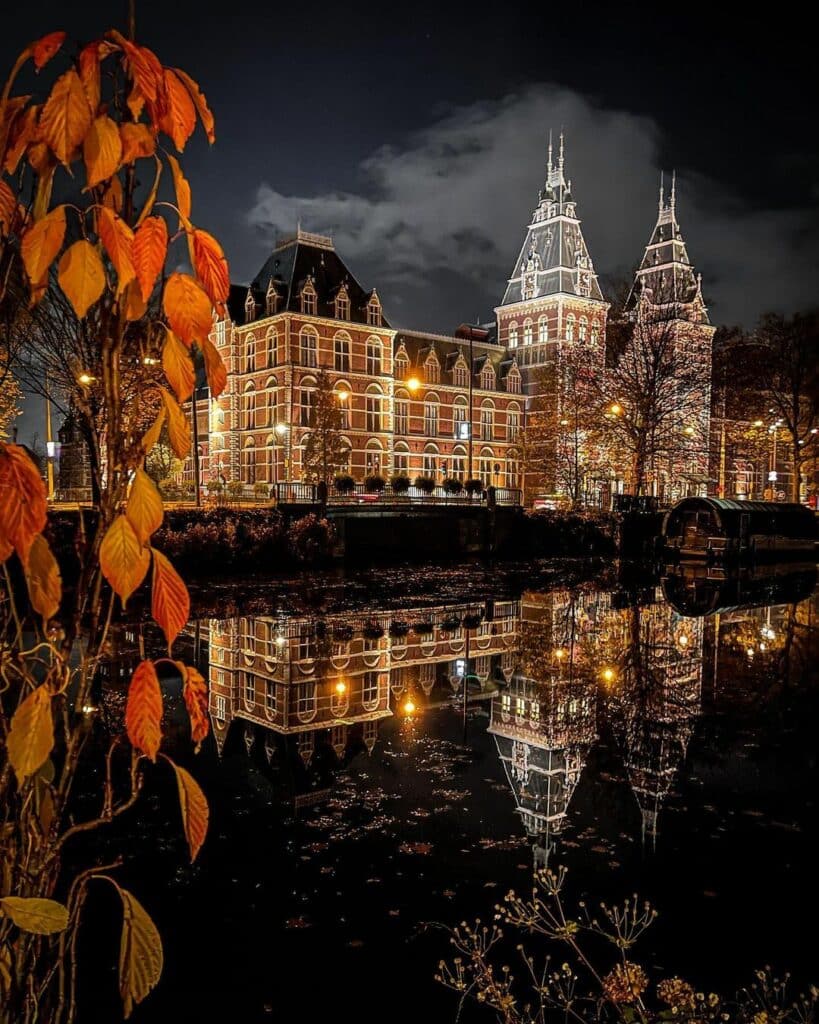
{"x":374,"y":484}
{"x":372,"y":630}
{"x":425,"y":484}
{"x":452,"y":485}
{"x":422,"y":628}
{"x":344,"y":483}
{"x":215,"y":487}
{"x":472,"y":620}
{"x":450,"y":623}
{"x":261,"y":490}
{"x":235,"y":489}
{"x":400,"y":483}
{"x":342,"y":633}
{"x":473,"y":486}
{"x":398,"y":628}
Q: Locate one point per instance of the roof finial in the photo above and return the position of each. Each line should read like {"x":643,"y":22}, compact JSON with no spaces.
{"x":673,"y":192}
{"x":560,"y":157}
{"x":549,"y":159}
{"x":662,"y":191}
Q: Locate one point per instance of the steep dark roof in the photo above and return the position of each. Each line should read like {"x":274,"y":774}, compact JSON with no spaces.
{"x":289,"y":266}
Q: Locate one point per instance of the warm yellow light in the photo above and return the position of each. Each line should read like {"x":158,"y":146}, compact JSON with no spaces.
{"x":150,"y":361}
{"x":281,"y":429}
{"x":750,"y":652}
{"x":560,"y":654}
{"x":343,"y":395}
{"x":280,"y":641}
{"x":413,"y":384}
{"x":608,"y":674}
{"x":757,"y":423}
{"x":689,"y":431}
{"x":341,"y":687}
{"x":564,"y":423}
{"x":683,"y":640}
{"x":615,"y":409}
{"x":86,"y":378}
{"x":409,"y":707}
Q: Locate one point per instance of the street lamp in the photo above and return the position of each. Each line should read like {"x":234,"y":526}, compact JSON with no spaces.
{"x":413,"y":384}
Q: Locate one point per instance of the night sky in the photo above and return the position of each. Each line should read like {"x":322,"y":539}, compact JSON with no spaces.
{"x":415,"y":134}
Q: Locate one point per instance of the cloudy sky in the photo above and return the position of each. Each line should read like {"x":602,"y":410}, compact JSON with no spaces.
{"x":416,"y":135}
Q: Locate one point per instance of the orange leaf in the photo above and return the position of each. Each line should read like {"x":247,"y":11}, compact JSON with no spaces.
{"x":194,"y":807}
{"x":211,"y":266}
{"x":143,"y":710}
{"x":179,"y":431}
{"x":45,"y":589}
{"x":41,"y":243}
{"x":188,"y":309}
{"x":81,"y":276}
{"x":135,"y":102}
{"x":200,"y":103}
{"x":31,"y":737}
{"x":23,"y":131}
{"x":150,"y":247}
{"x":180,"y":118}
{"x":144,"y":509}
{"x":178,"y":366}
{"x":170,"y":601}
{"x":44,"y":49}
{"x":102,"y":150}
{"x":215,"y":369}
{"x":135,"y":305}
{"x":89,"y":61}
{"x":118,"y":240}
{"x":137,"y":141}
{"x":42,"y":194}
{"x":183,"y":191}
{"x":22,"y":501}
{"x":66,"y":117}
{"x":8,"y":208}
{"x":112,"y":194}
{"x":123,"y":560}
{"x":195,"y":694}
{"x":143,"y":65}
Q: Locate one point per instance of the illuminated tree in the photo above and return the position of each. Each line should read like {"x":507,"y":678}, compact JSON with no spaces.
{"x":325,"y":450}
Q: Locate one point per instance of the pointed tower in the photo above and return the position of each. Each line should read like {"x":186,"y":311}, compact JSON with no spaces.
{"x":552,"y":297}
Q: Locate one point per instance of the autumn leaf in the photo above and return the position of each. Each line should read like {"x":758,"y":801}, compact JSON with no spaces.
{"x":200,"y":103}
{"x":44,"y":49}
{"x":137,"y":141}
{"x":81,"y":276}
{"x":187,"y":307}
{"x":118,"y":240}
{"x":45,"y":588}
{"x":89,"y":64}
{"x":170,"y":601}
{"x":102,"y":150}
{"x":8,"y":208}
{"x":140,"y":952}
{"x":211,"y":266}
{"x":37,"y":916}
{"x":23,"y":131}
{"x":112,"y":194}
{"x":66,"y":117}
{"x":143,"y":710}
{"x":180,"y":118}
{"x":215,"y":369}
{"x":194,"y":807}
{"x":150,"y":248}
{"x":178,"y":429}
{"x":178,"y":366}
{"x":42,"y":193}
{"x":143,"y":65}
{"x":123,"y":560}
{"x":144,"y":509}
{"x":135,"y":307}
{"x":40,"y":245}
{"x":153,"y":432}
{"x":195,"y":694}
{"x":183,"y":192}
{"x":22,"y":500}
{"x":31,"y":737}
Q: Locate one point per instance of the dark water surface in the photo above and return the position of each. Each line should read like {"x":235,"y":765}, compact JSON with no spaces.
{"x":660,"y":740}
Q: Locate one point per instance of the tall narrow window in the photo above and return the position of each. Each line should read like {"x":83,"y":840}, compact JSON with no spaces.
{"x":308,"y":355}
{"x":542,"y":331}
{"x":513,"y":335}
{"x":461,"y":375}
{"x":512,"y":423}
{"x":250,"y":354}
{"x":401,"y":416}
{"x":309,"y":299}
{"x":374,"y":312}
{"x":373,"y":357}
{"x":570,"y":327}
{"x":432,"y":371}
{"x":307,"y":406}
{"x":341,"y":355}
{"x":250,"y":308}
{"x":342,"y":305}
{"x":431,"y":418}
{"x":582,"y":329}
{"x":373,"y":411}
{"x":487,"y":422}
{"x":527,"y":333}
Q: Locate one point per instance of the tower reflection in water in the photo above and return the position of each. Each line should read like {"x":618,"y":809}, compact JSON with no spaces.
{"x":555,"y":669}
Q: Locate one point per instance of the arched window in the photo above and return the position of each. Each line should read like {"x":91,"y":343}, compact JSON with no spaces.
{"x":459,"y":462}
{"x":527,"y":332}
{"x":487,"y":420}
{"x":309,"y":299}
{"x":373,"y":400}
{"x":307,"y":402}
{"x":583,"y":328}
{"x":542,"y":330}
{"x":250,"y":353}
{"x":595,"y":332}
{"x":250,"y":307}
{"x":271,"y":299}
{"x":431,"y":408}
{"x":460,"y":374}
{"x":486,"y":465}
{"x":432,"y":369}
{"x":308,"y":347}
{"x":401,"y":412}
{"x":270,"y":343}
{"x":374,"y":457}
{"x":460,"y":427}
{"x":374,"y":311}
{"x":401,"y":458}
{"x":266,"y":462}
{"x":248,"y":417}
{"x":342,"y":304}
{"x":341,"y":352}
{"x":570,"y":327}
{"x":270,"y":699}
{"x":344,"y":397}
{"x":249,"y":690}
{"x":370,"y":691}
{"x":306,"y":701}
{"x":373,"y":357}
{"x":513,"y":335}
{"x":487,"y":376}
{"x":513,"y":381}
{"x":512,"y":421}
{"x":401,"y":364}
{"x":266,"y":411}
{"x":431,"y":460}
{"x":248,"y":462}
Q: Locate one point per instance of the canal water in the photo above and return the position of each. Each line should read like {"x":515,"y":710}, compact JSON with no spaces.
{"x":658,"y":739}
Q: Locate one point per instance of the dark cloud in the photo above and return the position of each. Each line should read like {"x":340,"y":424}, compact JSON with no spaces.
{"x":437,"y":222}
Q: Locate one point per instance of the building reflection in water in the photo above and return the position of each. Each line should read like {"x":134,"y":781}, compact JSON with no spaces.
{"x":557,"y":670}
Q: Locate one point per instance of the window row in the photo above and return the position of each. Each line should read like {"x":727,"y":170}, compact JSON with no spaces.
{"x":576,"y":329}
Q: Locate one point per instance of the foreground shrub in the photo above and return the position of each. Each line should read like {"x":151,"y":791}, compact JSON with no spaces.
{"x":374,"y":484}
{"x":425,"y":484}
{"x":344,"y":483}
{"x":311,"y":539}
{"x":400,"y":483}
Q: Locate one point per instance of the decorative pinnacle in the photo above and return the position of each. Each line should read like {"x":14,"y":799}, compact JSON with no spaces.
{"x":662,"y":192}
{"x":560,"y":156}
{"x":549,"y":159}
{"x":673,"y":192}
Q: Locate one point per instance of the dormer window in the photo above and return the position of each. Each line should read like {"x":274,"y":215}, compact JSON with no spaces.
{"x":401,"y":364}
{"x":432,"y":370}
{"x":487,"y":377}
{"x":342,"y":304}
{"x":250,"y":307}
{"x":374,"y":311}
{"x":513,"y":381}
{"x":271,"y":300}
{"x":460,"y":375}
{"x":309,"y":299}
